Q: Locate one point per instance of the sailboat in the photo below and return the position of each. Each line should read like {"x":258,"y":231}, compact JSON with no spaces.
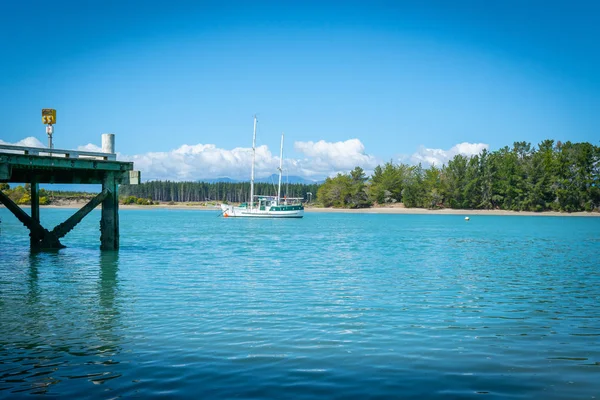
{"x":266,"y":206}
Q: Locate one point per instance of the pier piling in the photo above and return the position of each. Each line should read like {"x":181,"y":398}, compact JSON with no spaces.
{"x":109,"y":224}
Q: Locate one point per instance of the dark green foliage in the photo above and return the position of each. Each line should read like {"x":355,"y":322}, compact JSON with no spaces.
{"x":432,"y":184}
{"x":358,"y":197}
{"x":345,"y":190}
{"x":413,"y":194}
{"x":135,"y":200}
{"x":129,"y":200}
{"x":387,"y":183}
{"x":168,"y":191}
{"x":565,"y":177}
{"x":455,"y":174}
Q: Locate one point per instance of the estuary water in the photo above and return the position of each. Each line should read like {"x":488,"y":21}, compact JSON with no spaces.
{"x":328,"y":306}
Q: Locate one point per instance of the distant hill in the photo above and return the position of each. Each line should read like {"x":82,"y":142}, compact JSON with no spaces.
{"x":219,"y":180}
{"x":286,"y":179}
{"x":269,"y":179}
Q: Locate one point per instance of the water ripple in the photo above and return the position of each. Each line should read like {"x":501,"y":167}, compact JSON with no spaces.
{"x":336,"y":306}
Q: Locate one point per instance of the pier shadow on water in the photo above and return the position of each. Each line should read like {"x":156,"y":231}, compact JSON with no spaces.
{"x":60,"y":326}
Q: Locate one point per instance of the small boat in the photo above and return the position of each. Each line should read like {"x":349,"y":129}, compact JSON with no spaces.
{"x":266,"y":206}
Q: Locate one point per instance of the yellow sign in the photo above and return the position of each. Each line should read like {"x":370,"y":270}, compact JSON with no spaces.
{"x":48,"y":116}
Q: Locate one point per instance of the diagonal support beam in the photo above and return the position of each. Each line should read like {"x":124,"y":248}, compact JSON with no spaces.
{"x":40,"y":236}
{"x":21,"y":215}
{"x":65,"y":227}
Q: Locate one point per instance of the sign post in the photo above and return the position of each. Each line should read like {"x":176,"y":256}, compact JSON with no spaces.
{"x":49,"y":118}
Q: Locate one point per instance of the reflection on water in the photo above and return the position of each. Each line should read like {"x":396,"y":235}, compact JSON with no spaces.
{"x":107,"y":291}
{"x":54,"y":326}
{"x":107,"y":316}
{"x":33,"y":295}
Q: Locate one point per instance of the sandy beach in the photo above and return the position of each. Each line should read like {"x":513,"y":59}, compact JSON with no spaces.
{"x":396,"y":209}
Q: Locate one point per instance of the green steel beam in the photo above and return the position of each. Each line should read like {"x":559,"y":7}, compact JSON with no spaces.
{"x":30,"y":161}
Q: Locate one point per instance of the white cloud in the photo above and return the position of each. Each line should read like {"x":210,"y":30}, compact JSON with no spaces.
{"x":320,"y":159}
{"x":90,"y":147}
{"x":206,"y":161}
{"x":27,"y":142}
{"x":438,"y":157}
{"x":327,"y":158}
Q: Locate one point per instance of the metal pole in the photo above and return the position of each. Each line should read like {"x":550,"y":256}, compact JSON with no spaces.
{"x":253,"y":159}
{"x":280,"y":170}
{"x":50,"y":131}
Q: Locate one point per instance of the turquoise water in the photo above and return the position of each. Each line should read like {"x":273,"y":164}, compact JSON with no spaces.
{"x":329,"y":306}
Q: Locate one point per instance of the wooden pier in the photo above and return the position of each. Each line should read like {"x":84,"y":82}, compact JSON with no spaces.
{"x":44,"y":165}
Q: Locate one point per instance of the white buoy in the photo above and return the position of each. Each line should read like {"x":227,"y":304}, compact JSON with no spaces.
{"x":467,"y":218}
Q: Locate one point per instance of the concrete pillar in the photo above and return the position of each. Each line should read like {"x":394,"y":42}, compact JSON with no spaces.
{"x":108,"y":143}
{"x":109,"y":222}
{"x":35,"y":211}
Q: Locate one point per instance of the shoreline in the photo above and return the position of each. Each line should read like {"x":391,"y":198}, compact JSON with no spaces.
{"x":397,"y":210}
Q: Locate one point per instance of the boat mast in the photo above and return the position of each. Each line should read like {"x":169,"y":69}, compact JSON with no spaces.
{"x":253,"y":160}
{"x":280,"y":170}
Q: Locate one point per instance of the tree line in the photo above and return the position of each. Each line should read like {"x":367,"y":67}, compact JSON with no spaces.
{"x":238,"y":192}
{"x":554,"y":176}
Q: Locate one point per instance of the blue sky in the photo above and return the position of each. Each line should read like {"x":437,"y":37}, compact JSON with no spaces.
{"x":350,"y":83}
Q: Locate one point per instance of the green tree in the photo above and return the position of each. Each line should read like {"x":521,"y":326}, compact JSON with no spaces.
{"x":335,"y":191}
{"x":509,"y":187}
{"x":432,"y":193}
{"x":386,"y":183}
{"x":486,"y":179}
{"x":345,"y":190}
{"x":472,"y":191}
{"x":455,"y":180}
{"x":413,"y":194}
{"x":358,"y":197}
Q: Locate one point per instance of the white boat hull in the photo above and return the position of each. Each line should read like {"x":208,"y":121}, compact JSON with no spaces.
{"x":243,"y":212}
